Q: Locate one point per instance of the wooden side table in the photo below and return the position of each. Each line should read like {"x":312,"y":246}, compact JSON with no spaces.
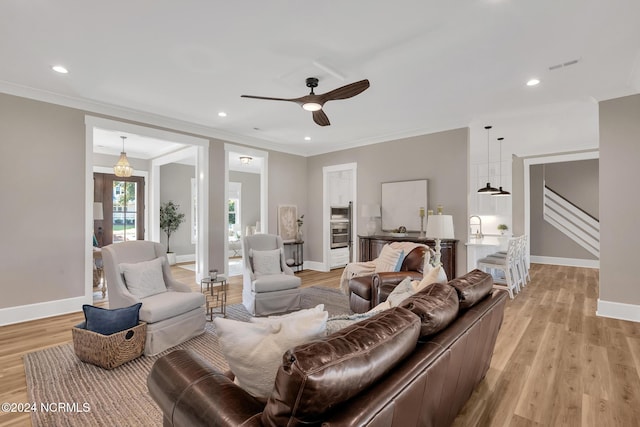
{"x":215,"y":291}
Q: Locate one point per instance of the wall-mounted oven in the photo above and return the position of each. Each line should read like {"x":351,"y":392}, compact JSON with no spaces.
{"x":339,"y":234}
{"x":340,"y":226}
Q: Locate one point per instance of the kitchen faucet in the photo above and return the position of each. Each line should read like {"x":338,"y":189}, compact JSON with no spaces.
{"x":479,"y":234}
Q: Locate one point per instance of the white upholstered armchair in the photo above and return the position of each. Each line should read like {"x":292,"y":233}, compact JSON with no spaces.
{"x":269,"y":285}
{"x":138,"y":271}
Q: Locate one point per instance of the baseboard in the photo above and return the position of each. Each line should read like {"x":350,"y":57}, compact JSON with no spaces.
{"x":569,"y":262}
{"x":24,"y":313}
{"x":186,"y":258}
{"x":618,"y":310}
{"x":315,"y":266}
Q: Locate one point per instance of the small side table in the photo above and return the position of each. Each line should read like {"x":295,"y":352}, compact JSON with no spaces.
{"x":215,"y":291}
{"x":297,"y":255}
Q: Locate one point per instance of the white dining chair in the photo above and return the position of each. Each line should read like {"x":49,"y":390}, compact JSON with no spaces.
{"x":507,"y":265}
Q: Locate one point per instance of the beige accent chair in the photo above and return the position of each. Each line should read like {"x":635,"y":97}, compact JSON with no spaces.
{"x":173,"y":316}
{"x":267,"y":293}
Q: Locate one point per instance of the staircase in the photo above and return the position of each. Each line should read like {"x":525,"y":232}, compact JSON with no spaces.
{"x":572,"y":221}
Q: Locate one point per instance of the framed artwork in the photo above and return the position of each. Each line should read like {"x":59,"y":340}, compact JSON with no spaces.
{"x":287,"y":222}
{"x":401,"y":202}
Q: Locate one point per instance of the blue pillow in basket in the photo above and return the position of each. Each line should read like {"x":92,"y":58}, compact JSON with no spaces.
{"x":107,"y":322}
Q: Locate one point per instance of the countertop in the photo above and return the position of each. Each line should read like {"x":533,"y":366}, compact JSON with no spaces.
{"x":487,"y":240}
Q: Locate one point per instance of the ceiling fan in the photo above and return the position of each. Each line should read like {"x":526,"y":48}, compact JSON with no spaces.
{"x":314,"y":102}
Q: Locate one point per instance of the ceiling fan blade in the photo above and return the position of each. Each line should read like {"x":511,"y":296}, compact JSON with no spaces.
{"x":321,"y":118}
{"x":270,"y":98}
{"x":347,"y":91}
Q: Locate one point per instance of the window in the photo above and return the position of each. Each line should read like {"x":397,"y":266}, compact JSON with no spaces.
{"x":233,"y":214}
{"x":124,"y":211}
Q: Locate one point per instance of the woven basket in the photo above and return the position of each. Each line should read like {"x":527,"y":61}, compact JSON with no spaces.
{"x":109,"y":351}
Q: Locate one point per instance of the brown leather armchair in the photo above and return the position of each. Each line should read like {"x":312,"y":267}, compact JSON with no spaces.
{"x":365,"y":292}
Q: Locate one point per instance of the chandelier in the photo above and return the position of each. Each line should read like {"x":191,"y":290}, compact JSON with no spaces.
{"x":123,"y":168}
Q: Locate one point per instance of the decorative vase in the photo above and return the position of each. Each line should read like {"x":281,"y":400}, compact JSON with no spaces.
{"x":299,"y":235}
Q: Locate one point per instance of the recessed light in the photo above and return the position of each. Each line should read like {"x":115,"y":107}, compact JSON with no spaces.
{"x":533,"y":82}
{"x":222,"y":114}
{"x":59,"y":69}
{"x":307,"y":138}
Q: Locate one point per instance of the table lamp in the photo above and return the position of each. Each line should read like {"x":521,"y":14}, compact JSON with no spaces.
{"x":439,"y":227}
{"x":372,"y":212}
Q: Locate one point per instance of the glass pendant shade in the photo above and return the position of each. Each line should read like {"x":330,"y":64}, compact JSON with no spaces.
{"x":488,"y":189}
{"x":122,"y":168}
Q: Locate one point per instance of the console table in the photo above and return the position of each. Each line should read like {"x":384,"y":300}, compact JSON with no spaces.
{"x":371,"y":246}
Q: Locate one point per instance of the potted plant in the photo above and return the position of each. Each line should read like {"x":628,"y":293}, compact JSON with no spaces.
{"x":170,"y":220}
{"x":502,"y":228}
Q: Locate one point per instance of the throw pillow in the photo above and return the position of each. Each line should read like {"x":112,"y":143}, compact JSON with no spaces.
{"x":388,"y":259}
{"x":403,"y":290}
{"x":266,"y":262}
{"x":144,"y":279}
{"x":106,"y":322}
{"x":254,"y":350}
{"x":427,"y":279}
{"x":442,"y":275}
{"x":385,"y":305}
{"x":400,"y":260}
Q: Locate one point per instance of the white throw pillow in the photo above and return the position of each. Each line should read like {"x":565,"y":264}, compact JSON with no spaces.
{"x":385,"y":305}
{"x":388,"y":259}
{"x":400,"y":292}
{"x":427,"y":279}
{"x":144,"y":279}
{"x":428,"y":266}
{"x":266,"y":262}
{"x":254,"y":350}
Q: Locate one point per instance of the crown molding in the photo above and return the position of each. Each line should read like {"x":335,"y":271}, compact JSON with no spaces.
{"x":120,"y":112}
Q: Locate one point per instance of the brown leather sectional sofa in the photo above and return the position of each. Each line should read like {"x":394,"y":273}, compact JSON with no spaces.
{"x":413,"y":365}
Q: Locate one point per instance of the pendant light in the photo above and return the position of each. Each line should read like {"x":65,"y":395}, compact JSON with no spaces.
{"x":123,"y":168}
{"x":501,"y":192}
{"x":488,"y":189}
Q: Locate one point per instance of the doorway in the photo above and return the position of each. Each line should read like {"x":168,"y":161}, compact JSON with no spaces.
{"x":246,"y":185}
{"x":150,"y":170}
{"x":122,"y":207}
{"x":339,"y":191}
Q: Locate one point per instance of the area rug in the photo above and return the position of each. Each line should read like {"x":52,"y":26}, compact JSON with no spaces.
{"x":68,"y":392}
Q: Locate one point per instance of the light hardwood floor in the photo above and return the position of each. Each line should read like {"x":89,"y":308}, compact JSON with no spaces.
{"x":555,"y":362}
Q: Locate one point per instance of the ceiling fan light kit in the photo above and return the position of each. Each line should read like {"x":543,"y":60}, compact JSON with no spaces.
{"x":314,"y":102}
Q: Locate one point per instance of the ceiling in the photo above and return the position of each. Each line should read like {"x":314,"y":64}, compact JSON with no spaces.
{"x":433,"y":65}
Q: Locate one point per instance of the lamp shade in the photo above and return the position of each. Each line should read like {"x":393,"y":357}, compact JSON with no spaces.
{"x":440,"y":226}
{"x":371,"y":211}
{"x":98,"y":214}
